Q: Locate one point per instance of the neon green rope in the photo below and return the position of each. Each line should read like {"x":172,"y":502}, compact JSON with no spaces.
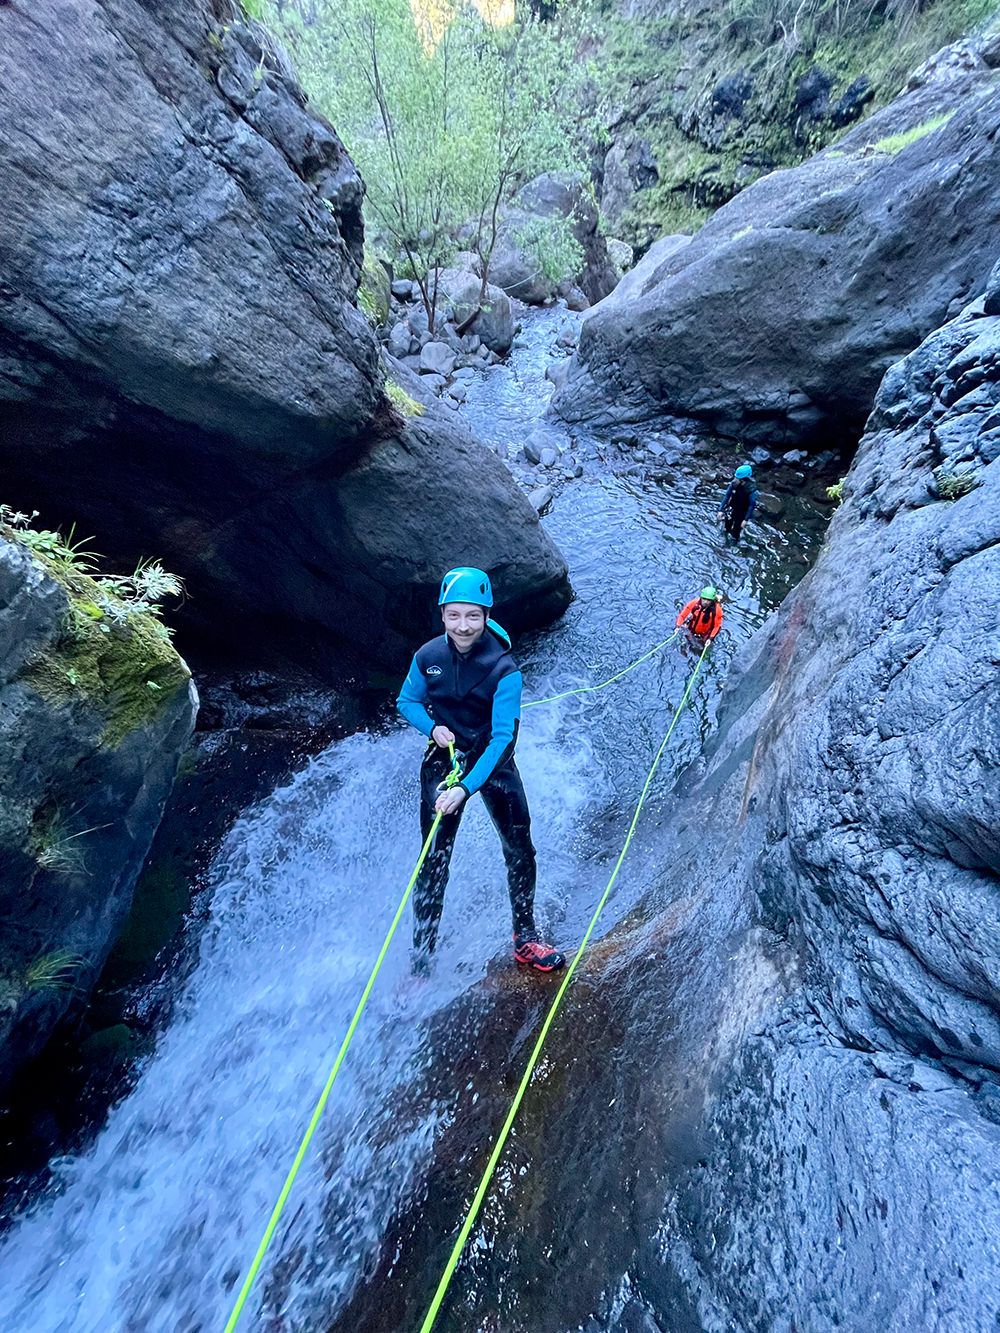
{"x":589,"y":689}
{"x":522,"y":1088}
{"x":324,"y":1096}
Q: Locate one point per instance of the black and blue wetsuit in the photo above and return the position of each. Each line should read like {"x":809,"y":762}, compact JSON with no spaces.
{"x":477,"y":696}
{"x":738,"y":505}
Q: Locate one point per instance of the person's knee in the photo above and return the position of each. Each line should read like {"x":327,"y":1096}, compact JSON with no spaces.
{"x":518,"y":838}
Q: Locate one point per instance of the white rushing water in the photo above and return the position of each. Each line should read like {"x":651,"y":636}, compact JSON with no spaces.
{"x":148,"y":1229}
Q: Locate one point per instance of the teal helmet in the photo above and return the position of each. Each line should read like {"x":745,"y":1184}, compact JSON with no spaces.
{"x":743,"y":471}
{"x":710,"y":594}
{"x":466,"y":584}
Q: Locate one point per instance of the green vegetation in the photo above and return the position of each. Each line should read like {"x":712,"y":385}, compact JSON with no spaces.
{"x":953,"y":485}
{"x":836,"y":491}
{"x":113,"y":651}
{"x":56,"y":845}
{"x":895,"y":143}
{"x":448,"y":111}
{"x":54,"y":971}
{"x":555,"y":249}
{"x":373,"y":290}
{"x":401,"y":400}
{"x":665,"y":75}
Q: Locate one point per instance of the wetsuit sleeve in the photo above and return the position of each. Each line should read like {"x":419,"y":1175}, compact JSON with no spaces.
{"x":753,"y":504}
{"x":727,"y":497}
{"x":685,"y":612}
{"x":718,"y":622}
{"x":412,"y":698}
{"x":506,"y":712}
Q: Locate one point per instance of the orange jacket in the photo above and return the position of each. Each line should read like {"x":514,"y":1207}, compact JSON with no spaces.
{"x":706,"y":624}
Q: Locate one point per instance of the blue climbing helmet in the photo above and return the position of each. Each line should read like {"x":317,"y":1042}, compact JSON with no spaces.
{"x":466,"y":584}
{"x":743,"y":471}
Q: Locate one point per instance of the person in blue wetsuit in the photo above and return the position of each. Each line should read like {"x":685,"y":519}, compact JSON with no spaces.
{"x":739,"y":501}
{"x":464,"y":689}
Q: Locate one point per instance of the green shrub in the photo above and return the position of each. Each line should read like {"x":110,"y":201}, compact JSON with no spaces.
{"x":953,"y":485}
{"x":56,"y":845}
{"x":112,"y":650}
{"x":836,"y":491}
{"x":373,"y":291}
{"x":54,"y":971}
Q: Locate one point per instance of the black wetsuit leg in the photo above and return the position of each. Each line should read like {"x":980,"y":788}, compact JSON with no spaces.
{"x":428,"y":892}
{"x":504,"y":798}
{"x":736,"y":514}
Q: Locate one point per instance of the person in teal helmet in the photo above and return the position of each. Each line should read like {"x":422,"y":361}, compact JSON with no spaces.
{"x":464,"y":689}
{"x":739,"y":501}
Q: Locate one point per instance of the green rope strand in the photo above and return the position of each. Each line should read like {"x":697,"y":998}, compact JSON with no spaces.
{"x":498,"y":1147}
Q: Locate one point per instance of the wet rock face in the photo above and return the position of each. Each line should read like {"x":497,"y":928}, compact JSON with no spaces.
{"x":193,"y":242}
{"x":780,"y":318}
{"x":182,"y":366}
{"x":856,"y":1150}
{"x":780,"y":1078}
{"x":83,"y":785}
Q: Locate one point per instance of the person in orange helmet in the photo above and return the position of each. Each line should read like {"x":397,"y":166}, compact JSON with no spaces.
{"x":702,"y":616}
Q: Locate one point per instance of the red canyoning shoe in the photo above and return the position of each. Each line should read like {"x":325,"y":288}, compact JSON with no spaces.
{"x":530,"y":951}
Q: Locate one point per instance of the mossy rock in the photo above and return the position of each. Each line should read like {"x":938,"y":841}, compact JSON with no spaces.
{"x":704,"y":156}
{"x":126,"y":672}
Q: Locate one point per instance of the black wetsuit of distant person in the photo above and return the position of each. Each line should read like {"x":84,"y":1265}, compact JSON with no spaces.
{"x":739,"y":501}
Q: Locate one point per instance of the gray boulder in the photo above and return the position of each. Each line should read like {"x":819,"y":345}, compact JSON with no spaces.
{"x":492,"y":321}
{"x":551,"y":195}
{"x":182,"y":363}
{"x":655,"y":264}
{"x":92,"y":727}
{"x":438,"y":358}
{"x":781,"y":316}
{"x":400,"y":339}
{"x":466,"y":260}
{"x":621,"y":254}
{"x":541,"y":498}
{"x":574,"y":298}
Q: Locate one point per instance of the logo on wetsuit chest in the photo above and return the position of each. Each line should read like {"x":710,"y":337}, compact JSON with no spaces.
{"x":433,"y":671}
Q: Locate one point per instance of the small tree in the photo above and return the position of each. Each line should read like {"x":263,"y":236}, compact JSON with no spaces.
{"x":447,"y":114}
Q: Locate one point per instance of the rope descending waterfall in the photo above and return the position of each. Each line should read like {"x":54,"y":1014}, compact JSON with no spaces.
{"x":451,"y":780}
{"x":324,"y":1096}
{"x":533,"y":1058}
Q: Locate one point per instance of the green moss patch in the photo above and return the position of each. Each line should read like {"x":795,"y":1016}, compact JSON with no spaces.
{"x":401,"y":400}
{"x":126,"y":669}
{"x":373,"y":291}
{"x":895,"y":143}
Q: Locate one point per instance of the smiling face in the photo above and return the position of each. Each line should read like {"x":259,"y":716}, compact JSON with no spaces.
{"x":464,"y":623}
